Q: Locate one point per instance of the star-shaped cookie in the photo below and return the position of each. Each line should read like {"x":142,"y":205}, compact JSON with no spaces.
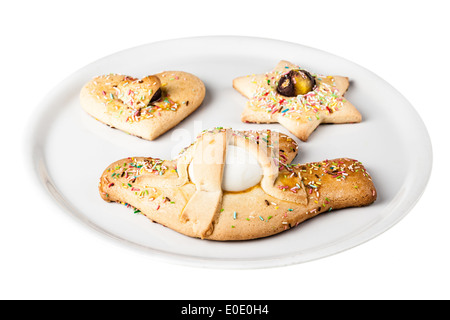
{"x":146,"y":107}
{"x":301,"y":114}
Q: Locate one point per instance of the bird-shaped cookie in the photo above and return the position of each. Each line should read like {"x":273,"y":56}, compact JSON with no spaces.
{"x":236,"y":185}
{"x":297,"y":99}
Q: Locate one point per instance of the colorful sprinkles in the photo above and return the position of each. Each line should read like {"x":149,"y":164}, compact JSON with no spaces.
{"x":325,"y":98}
{"x":126,"y":174}
{"x":129,"y":103}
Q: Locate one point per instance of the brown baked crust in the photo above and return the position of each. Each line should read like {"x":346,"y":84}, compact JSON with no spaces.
{"x":161,"y":190}
{"x":266,"y":105}
{"x":106,"y":99}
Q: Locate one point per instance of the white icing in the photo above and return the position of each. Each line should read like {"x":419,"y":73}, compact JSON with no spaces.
{"x":241,"y":171}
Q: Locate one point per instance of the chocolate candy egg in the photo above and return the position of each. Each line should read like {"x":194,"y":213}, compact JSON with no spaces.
{"x":296,"y":82}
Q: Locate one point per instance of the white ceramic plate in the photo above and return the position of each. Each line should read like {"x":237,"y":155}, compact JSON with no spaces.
{"x":70,"y":150}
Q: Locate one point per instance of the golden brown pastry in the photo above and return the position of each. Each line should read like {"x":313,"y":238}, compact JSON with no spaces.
{"x":297,"y":99}
{"x":145,"y":107}
{"x":196,"y":193}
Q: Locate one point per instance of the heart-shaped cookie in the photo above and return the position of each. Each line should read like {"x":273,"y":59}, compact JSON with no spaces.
{"x":298,"y":100}
{"x":145,"y":107}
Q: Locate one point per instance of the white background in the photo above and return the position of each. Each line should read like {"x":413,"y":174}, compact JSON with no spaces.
{"x":44,"y":254}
